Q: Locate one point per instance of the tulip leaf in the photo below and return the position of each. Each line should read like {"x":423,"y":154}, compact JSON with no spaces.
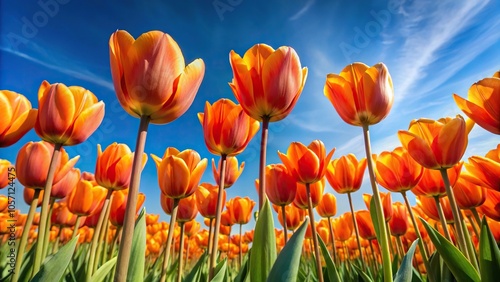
{"x":373,"y":215}
{"x":333,"y":275}
{"x":405,"y":271}
{"x":103,"y":271}
{"x":489,"y":255}
{"x":243,"y":273}
{"x":461,"y":268}
{"x":55,"y":265}
{"x":264,"y":245}
{"x":195,"y":273}
{"x":220,"y":272}
{"x":137,"y":254}
{"x":286,"y":266}
{"x":364,"y":276}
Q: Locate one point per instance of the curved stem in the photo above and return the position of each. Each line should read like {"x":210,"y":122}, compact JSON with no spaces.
{"x":285,"y":231}
{"x":24,"y":236}
{"x":170,"y":236}
{"x":473,"y":224}
{"x":49,"y":227}
{"x":220,"y":198}
{"x":442,"y":219}
{"x":77,"y":225}
{"x":129,"y":220}
{"x":181,"y":251}
{"x":45,"y":206}
{"x":103,"y":242}
{"x":332,"y":236}
{"x":383,"y":240}
{"x":313,"y":231}
{"x":262,"y":165}
{"x":476,"y":216}
{"x":356,"y":229}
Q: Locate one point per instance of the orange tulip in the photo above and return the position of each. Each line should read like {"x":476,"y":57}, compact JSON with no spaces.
{"x":386,"y":199}
{"x":428,"y":206}
{"x":62,"y":216}
{"x":398,"y":225}
{"x":361,"y":94}
{"x":152,"y":219}
{"x":306,"y":164}
{"x":431,"y":184}
{"x":4,"y":203}
{"x":327,"y":206}
{"x":86,"y":198}
{"x":365,"y":225}
{"x":485,"y":171}
{"x":294,"y":217}
{"x":240,"y":209}
{"x":468,"y":195}
{"x":191,"y":228}
{"x":118,"y":205}
{"x":17,"y":117}
{"x":397,"y":171}
{"x":67,"y":115}
{"x":267,"y":82}
{"x":179,"y":172}
{"x":226,"y":128}
{"x":232,"y":171}
{"x":33,"y":160}
{"x":227,"y":220}
{"x":495,"y":229}
{"x":482,"y":104}
{"x":62,"y":188}
{"x":316,"y":190}
{"x":7,"y":172}
{"x":435,"y":144}
{"x":491,"y":207}
{"x":343,"y":227}
{"x":345,"y":174}
{"x":150,"y":75}
{"x":281,"y":186}
{"x":206,"y":199}
{"x":29,"y":195}
{"x":187,"y":209}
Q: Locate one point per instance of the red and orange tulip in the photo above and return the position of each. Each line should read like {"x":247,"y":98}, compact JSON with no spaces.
{"x":365,"y":225}
{"x":232,"y":171}
{"x":397,"y":171}
{"x":206,"y":199}
{"x":281,"y":186}
{"x":267,"y":82}
{"x":179,"y":173}
{"x":4,"y":203}
{"x":491,"y":207}
{"x":150,"y":75}
{"x":432,"y":185}
{"x":294,"y":217}
{"x":485,"y":171}
{"x":5,"y":172}
{"x":86,"y":198}
{"x":67,"y":115}
{"x":398,"y":225}
{"x":343,"y":227}
{"x":345,"y":174}
{"x":187,"y":209}
{"x":428,"y":206}
{"x":482,"y":104}
{"x":17,"y":117}
{"x":118,"y":205}
{"x":327,"y":206}
{"x":361,"y":95}
{"x":64,"y":187}
{"x":240,"y":209}
{"x":316,"y":191}
{"x":468,"y":195}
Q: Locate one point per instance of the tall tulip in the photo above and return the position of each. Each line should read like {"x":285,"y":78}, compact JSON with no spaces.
{"x":327,"y":208}
{"x":6,"y":171}
{"x":240,"y":210}
{"x":152,"y":83}
{"x":233,"y":171}
{"x":267,"y":83}
{"x":363,"y":96}
{"x":118,"y":205}
{"x":485,"y":171}
{"x":17,"y":117}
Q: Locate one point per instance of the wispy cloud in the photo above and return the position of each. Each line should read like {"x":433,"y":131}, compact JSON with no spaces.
{"x":78,"y":73}
{"x":302,"y":11}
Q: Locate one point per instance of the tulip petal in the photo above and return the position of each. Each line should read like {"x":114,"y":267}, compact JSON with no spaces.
{"x":173,"y":176}
{"x":19,"y":128}
{"x":478,"y":114}
{"x":86,"y":123}
{"x":449,"y":146}
{"x":418,"y":149}
{"x":340,"y":94}
{"x":308,"y":167}
{"x":56,"y":111}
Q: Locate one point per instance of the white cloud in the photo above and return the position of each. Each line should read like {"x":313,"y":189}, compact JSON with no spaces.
{"x":302,"y":11}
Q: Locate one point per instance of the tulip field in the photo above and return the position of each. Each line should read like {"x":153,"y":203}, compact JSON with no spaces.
{"x":93,"y":225}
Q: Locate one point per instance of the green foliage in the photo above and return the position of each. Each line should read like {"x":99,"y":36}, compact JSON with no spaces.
{"x":264,"y":245}
{"x":137,"y":255}
{"x":405,"y":271}
{"x":54,"y":266}
{"x":489,"y":255}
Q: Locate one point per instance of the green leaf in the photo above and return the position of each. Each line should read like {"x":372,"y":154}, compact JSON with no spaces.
{"x":264,"y":245}
{"x":103,"y":271}
{"x":243,"y":273}
{"x":461,"y":268}
{"x":333,"y":275}
{"x":489,"y":255}
{"x":138,"y":258}
{"x":286,"y":266}
{"x":405,"y":271}
{"x":54,"y":266}
{"x":195,"y":273}
{"x":362,"y":274}
{"x":220,"y":272}
{"x":373,"y":215}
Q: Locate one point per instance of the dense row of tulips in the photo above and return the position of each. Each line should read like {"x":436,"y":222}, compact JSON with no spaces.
{"x":88,"y":229}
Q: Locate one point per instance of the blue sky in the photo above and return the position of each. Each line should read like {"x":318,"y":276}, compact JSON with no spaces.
{"x":431,"y":48}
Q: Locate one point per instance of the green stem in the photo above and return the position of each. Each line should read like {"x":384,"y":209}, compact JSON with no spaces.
{"x":210,"y":242}
{"x":213,"y":255}
{"x":383,"y":240}
{"x":401,"y":251}
{"x":262,"y":165}
{"x":442,"y":218}
{"x":123,"y":259}
{"x":313,"y":231}
{"x":54,"y":162}
{"x":332,"y":236}
{"x":285,"y":231}
{"x":356,"y":230}
{"x":476,"y":216}
{"x":474,"y":227}
{"x":77,"y":225}
{"x":49,"y":227}
{"x":240,"y":261}
{"x":470,"y":248}
{"x":103,"y":238}
{"x":24,"y":236}
{"x":170,"y":236}
{"x":58,"y":239}
{"x":181,"y":250}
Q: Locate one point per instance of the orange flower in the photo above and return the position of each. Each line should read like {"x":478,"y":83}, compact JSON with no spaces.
{"x":435,"y":144}
{"x":119,"y":204}
{"x":150,"y":75}
{"x":62,"y":216}
{"x":232,"y":171}
{"x":482,"y":105}
{"x":428,"y":206}
{"x":306,"y":164}
{"x":397,"y":171}
{"x":343,"y":227}
{"x":485,"y":171}
{"x":365,"y":225}
{"x":67,"y":115}
{"x":191,"y":228}
{"x":227,"y":220}
{"x":431,"y":184}
{"x":33,"y":160}
{"x":86,"y":198}
{"x":4,"y":203}
{"x":327,"y":206}
{"x":240,"y":209}
{"x":17,"y":117}
{"x":179,"y":172}
{"x":281,"y":186}
{"x":114,"y":166}
{"x":267,"y":82}
{"x":226,"y":128}
{"x":206,"y":199}
{"x":294,"y":217}
{"x":345,"y":174}
{"x":186,"y":211}
{"x":316,"y":190}
{"x":29,"y":195}
{"x":361,"y":95}
{"x":491,"y":207}
{"x":398,"y":225}
{"x":468,"y":195}
{"x":386,"y":199}
{"x":6,"y":172}
{"x":62,"y":188}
